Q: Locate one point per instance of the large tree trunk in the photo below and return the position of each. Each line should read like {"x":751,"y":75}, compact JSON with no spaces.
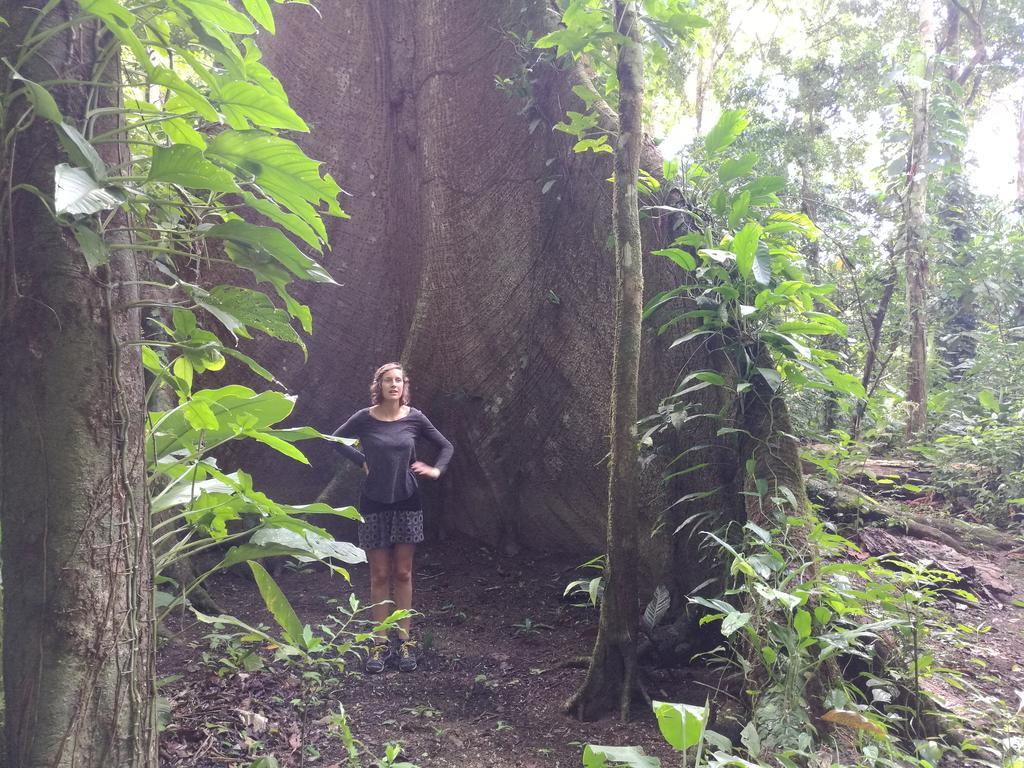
{"x":914,"y":219}
{"x":495,"y":287}
{"x":609,"y":681}
{"x":76,"y":558}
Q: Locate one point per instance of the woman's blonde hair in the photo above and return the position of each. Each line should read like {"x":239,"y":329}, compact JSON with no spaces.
{"x":375,"y":396}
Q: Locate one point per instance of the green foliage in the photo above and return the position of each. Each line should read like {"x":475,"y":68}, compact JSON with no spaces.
{"x":589,"y":590}
{"x":743,"y":283}
{"x":588,"y":32}
{"x":200,"y":127}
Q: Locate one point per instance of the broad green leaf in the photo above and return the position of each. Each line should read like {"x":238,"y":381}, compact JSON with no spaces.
{"x":739,"y":209}
{"x":595,"y":756}
{"x":317,"y":547}
{"x":289,"y":221}
{"x":43,"y":103}
{"x":232,"y":621}
{"x":220,"y":13}
{"x":762,"y":266}
{"x":242,"y":103}
{"x":279,"y":445}
{"x":249,"y":309}
{"x":682,"y":725}
{"x":709,"y":376}
{"x":693,"y":239}
{"x":251,"y":364}
{"x":988,"y":401}
{"x":261,"y":243}
{"x":184,"y":490}
{"x":232,"y":405}
{"x":729,"y":126}
{"x":81,"y":151}
{"x":808,"y":328}
{"x":733,"y":169}
{"x":260,"y":11}
{"x":76,"y":193}
{"x":733,"y":621}
{"x":579,"y":124}
{"x":185,"y":165}
{"x":296,"y":309}
{"x":278,"y":604}
{"x":600,"y":144}
{"x":683,"y":23}
{"x":199,"y":415}
{"x":660,"y":300}
{"x":187,"y":93}
{"x":121,"y":22}
{"x":788,"y":221}
{"x":679,"y":257}
{"x":802,"y":623}
{"x":800,"y":349}
{"x":765,"y":185}
{"x":744,"y":245}
{"x":93,"y":248}
{"x":246,"y":552}
{"x":771,"y":376}
{"x":257,"y":72}
{"x":179,"y":131}
{"x":282,"y":171}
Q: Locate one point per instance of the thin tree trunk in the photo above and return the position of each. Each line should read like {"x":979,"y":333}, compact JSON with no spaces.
{"x":874,"y":342}
{"x":914,"y":222}
{"x":610,"y":679}
{"x":1020,"y":152}
{"x":77,"y":578}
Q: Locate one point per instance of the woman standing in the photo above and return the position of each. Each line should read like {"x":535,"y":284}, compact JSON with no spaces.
{"x":390,"y":500}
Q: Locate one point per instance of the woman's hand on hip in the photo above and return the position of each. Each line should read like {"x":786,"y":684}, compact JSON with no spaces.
{"x":366,"y":468}
{"x":423,"y":469}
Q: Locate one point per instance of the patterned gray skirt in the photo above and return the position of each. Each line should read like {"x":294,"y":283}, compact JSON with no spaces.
{"x":387,"y":524}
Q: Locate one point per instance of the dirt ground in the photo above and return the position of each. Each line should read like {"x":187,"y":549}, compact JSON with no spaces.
{"x":488,"y":690}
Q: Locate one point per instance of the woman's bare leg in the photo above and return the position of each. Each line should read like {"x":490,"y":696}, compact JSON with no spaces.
{"x":401,"y":579}
{"x":380,"y":586}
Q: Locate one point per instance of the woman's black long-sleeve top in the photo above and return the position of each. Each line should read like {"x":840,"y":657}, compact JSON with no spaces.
{"x":389,"y":449}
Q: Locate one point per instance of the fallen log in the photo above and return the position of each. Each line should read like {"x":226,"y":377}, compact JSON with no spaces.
{"x":848,"y":506}
{"x":970,"y":572}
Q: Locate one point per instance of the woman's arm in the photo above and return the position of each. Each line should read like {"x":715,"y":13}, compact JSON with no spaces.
{"x":350,"y":429}
{"x":431,"y":433}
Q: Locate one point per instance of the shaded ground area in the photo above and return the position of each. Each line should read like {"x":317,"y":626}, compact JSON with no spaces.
{"x":487,"y":693}
{"x":494,"y":635}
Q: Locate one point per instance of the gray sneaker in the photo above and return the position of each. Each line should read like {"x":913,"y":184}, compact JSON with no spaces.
{"x":407,"y":656}
{"x":377,"y":658}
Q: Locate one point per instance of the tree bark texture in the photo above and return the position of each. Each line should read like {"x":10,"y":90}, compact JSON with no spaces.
{"x":874,"y":344}
{"x":495,"y":289}
{"x":76,"y":559}
{"x":915,"y":222}
{"x":609,"y":681}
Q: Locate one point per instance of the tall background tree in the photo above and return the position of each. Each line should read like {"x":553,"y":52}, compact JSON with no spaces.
{"x":611,"y":676}
{"x":915,"y":202}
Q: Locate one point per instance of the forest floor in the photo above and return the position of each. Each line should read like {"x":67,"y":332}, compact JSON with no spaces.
{"x":487,"y":692}
{"x":489,"y":687}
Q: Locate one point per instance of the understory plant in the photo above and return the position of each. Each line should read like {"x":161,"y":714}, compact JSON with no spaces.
{"x":179,"y":152}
